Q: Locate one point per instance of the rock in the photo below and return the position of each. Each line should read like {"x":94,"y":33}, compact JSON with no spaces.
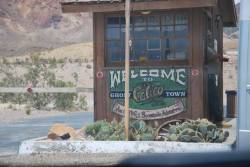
{"x":62,"y":131}
{"x":226,"y":134}
{"x":53,"y":136}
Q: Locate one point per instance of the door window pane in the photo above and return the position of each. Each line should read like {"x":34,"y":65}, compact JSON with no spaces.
{"x":113,"y":33}
{"x":168,"y":31}
{"x":114,"y":51}
{"x":140,"y":47}
{"x":154,"y":32}
{"x":123,"y":33}
{"x":139,"y":21}
{"x":181,"y":43}
{"x":123,"y":21}
{"x":181,"y":30}
{"x":167,"y":20}
{"x":140,"y":32}
{"x":181,"y":19}
{"x":154,"y":20}
{"x":167,"y":44}
{"x":113,"y":22}
{"x":154,"y":55}
{"x":155,"y":37}
{"x":167,"y":54}
{"x":154,"y":44}
{"x":181,"y":54}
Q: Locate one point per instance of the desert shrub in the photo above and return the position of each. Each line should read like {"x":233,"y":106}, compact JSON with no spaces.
{"x":62,"y":65}
{"x":85,"y":60}
{"x":64,"y":101}
{"x":39,"y":100}
{"x":83,"y":103}
{"x":88,"y":66}
{"x":19,"y":98}
{"x":10,"y":106}
{"x":18,"y":61}
{"x":27,"y":109}
{"x":77,"y":60}
{"x":61,"y":61}
{"x":200,"y":130}
{"x":80,"y":62}
{"x":5,"y":97}
{"x":33,"y":71}
{"x":52,"y":63}
{"x":75,"y":76}
{"x":15,"y":98}
{"x":102,"y":130}
{"x":38,"y":75}
{"x":70,"y":60}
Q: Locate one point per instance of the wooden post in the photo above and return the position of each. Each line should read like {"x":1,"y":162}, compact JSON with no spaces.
{"x":127,"y":43}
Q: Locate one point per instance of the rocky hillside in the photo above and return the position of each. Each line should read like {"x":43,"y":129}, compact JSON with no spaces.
{"x":28,"y":26}
{"x":35,"y":25}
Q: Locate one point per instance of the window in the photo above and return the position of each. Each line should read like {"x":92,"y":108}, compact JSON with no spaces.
{"x":155,"y":37}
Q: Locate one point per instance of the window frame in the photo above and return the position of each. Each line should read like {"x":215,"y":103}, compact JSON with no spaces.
{"x":160,"y":62}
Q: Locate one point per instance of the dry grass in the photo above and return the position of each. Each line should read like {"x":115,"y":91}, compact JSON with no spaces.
{"x":82,"y":50}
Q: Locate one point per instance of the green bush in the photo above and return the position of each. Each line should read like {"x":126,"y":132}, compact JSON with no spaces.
{"x":39,"y":100}
{"x":114,"y":131}
{"x":61,"y":61}
{"x":52,"y":62}
{"x":75,"y":76}
{"x":83,"y":103}
{"x":27,"y":109}
{"x":38,"y":75}
{"x":64,"y":101}
{"x":196,"y":131}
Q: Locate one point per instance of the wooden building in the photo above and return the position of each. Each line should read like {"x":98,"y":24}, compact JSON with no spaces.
{"x":176,"y":57}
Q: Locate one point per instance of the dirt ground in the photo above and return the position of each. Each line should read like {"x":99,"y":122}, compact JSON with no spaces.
{"x":11,"y":113}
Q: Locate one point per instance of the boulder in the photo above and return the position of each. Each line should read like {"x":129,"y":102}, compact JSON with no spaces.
{"x":61,"y":131}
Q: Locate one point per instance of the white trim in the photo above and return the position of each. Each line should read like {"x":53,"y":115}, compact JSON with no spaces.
{"x":245,"y":131}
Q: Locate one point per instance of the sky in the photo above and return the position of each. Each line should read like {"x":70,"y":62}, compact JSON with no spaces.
{"x":236,"y":1}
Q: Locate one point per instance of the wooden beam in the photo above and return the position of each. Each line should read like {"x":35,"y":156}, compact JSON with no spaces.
{"x":127,"y":74}
{"x":136,"y":6}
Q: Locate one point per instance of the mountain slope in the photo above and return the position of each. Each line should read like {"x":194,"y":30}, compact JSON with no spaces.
{"x":36,"y":25}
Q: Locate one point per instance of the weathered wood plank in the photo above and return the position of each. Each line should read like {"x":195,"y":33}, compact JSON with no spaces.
{"x":197,"y":82}
{"x":100,"y":106}
{"x":160,"y":5}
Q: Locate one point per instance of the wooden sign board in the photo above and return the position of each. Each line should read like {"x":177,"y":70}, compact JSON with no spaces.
{"x":155,"y":93}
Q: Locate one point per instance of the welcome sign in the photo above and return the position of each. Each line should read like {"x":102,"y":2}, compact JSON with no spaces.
{"x":155,"y":93}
